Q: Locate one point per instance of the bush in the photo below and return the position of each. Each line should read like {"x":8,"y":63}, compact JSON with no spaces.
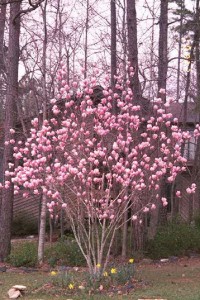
{"x":23,"y":254}
{"x":175,"y":239}
{"x":64,"y":252}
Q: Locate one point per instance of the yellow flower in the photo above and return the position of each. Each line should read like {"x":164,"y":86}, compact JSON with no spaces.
{"x":131,"y":260}
{"x":105,"y":274}
{"x":113,"y":271}
{"x":71,"y":286}
{"x":98,"y":266}
{"x":53,"y":273}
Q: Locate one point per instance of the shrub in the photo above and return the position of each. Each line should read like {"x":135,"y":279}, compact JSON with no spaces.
{"x":175,"y":239}
{"x":23,"y":254}
{"x":64,"y":252}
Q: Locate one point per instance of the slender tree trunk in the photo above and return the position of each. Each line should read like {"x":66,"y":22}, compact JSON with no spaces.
{"x":11,"y":98}
{"x":152,"y":55}
{"x":124,"y":235}
{"x":44,"y":58}
{"x":113,"y":42}
{"x":2,"y":29}
{"x":162,"y":84}
{"x":196,"y":167}
{"x":2,"y":60}
{"x":124,"y":39}
{"x":179,"y":51}
{"x":86,"y":39}
{"x":162,"y":51}
{"x":197,"y":50}
{"x":136,"y":87}
{"x":42,"y":230}
{"x":133,"y":48}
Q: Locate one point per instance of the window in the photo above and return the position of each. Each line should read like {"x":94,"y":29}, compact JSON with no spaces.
{"x":190,"y":148}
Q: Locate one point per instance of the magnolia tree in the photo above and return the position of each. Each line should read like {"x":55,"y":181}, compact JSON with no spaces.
{"x":98,"y":160}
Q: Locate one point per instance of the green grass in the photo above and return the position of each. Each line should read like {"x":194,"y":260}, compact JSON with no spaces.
{"x":178,"y":281}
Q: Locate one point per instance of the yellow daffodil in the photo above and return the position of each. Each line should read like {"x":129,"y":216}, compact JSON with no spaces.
{"x":53,"y":273}
{"x":71,"y":286}
{"x":98,"y":266}
{"x":113,"y":271}
{"x":131,"y":260}
{"x":105,"y":274}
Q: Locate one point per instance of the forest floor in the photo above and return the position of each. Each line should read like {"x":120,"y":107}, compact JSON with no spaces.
{"x":179,"y":280}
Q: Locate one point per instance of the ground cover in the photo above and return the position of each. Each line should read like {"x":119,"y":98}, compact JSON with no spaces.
{"x":173,"y":281}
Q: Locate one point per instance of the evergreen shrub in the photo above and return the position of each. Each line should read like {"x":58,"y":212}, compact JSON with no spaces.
{"x":174,"y":239}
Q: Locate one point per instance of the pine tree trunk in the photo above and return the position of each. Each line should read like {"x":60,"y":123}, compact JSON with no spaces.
{"x":11,"y":98}
{"x":162,"y":51}
{"x":2,"y":28}
{"x":113,"y":42}
{"x":133,"y":48}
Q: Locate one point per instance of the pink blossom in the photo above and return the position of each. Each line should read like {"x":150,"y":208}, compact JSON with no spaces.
{"x":145,"y":209}
{"x":134,"y":218}
{"x":12,"y":131}
{"x":162,"y":91}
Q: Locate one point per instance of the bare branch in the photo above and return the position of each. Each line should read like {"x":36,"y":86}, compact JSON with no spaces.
{"x":25,"y":11}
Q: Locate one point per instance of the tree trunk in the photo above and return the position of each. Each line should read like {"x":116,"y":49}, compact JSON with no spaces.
{"x":124,"y":235}
{"x":197,"y":52}
{"x":44,"y":59}
{"x":162,"y":51}
{"x":2,"y":28}
{"x":179,"y":50}
{"x":196,"y":167}
{"x":86,"y":39}
{"x":11,"y":98}
{"x":42,"y":230}
{"x":138,"y":235}
{"x":113,"y":42}
{"x":133,"y":48}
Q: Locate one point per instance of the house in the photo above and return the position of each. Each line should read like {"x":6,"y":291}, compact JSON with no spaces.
{"x":189,"y":204}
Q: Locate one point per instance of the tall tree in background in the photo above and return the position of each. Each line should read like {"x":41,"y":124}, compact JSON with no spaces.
{"x":162,"y":50}
{"x":2,"y":58}
{"x":196,"y":167}
{"x":133,"y":48}
{"x":2,"y":29}
{"x":160,"y":215}
{"x":113,"y":41}
{"x":10,"y":118}
{"x":182,"y":7}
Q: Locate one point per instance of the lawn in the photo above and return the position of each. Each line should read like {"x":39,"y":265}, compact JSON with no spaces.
{"x":172,"y":281}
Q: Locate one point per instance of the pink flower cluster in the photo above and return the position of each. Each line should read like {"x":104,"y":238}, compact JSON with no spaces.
{"x":191,"y":189}
{"x":95,"y":162}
